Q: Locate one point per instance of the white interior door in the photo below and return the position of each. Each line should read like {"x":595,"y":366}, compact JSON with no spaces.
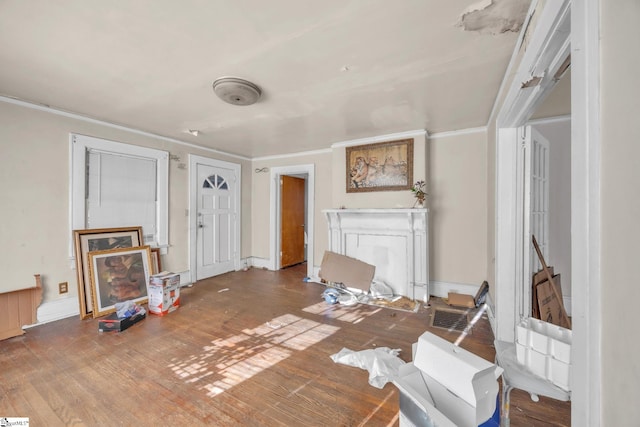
{"x":536,"y":203}
{"x":216,"y":220}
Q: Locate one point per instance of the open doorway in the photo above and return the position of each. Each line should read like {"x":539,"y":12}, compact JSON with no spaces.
{"x":561,"y":28}
{"x":278,"y":174}
{"x":293,"y":214}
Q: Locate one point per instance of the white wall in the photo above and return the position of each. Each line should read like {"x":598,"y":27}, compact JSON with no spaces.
{"x":558,"y":133}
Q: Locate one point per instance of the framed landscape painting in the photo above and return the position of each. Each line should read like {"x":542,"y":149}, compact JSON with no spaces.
{"x":119,"y":275}
{"x":382,"y":166}
{"x":94,"y":240}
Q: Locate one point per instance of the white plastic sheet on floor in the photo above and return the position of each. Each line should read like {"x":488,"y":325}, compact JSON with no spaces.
{"x":382,"y":363}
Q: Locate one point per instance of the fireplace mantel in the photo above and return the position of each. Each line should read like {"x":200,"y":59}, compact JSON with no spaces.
{"x":396,"y":241}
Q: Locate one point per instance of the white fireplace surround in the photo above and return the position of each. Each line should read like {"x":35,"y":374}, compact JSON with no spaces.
{"x":395,"y":241}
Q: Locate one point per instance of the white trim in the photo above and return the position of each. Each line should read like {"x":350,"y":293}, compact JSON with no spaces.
{"x":381,"y":138}
{"x":506,"y":232}
{"x":274,"y":213}
{"x":58,"y":309}
{"x":586,"y":289}
{"x":78,"y":146}
{"x":586,"y":408}
{"x":80,"y":117}
{"x":194,"y":161}
{"x":460,"y":132}
{"x":63,"y":308}
{"x":376,"y":139}
{"x":547,"y":50}
{"x":257,"y":262}
{"x":442,"y":289}
{"x":290,"y":155}
{"x":505,"y":81}
{"x":550,"y":120}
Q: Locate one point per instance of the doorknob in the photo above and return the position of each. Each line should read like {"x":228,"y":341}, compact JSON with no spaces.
{"x":200,"y":225}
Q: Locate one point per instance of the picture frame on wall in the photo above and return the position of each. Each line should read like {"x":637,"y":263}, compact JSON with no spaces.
{"x":97,"y":239}
{"x":119,"y":275}
{"x":382,"y":166}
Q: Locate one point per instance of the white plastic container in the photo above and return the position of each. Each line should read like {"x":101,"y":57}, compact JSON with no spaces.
{"x":545,"y":349}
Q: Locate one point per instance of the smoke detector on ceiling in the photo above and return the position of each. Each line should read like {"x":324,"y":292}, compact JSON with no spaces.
{"x":236,"y":91}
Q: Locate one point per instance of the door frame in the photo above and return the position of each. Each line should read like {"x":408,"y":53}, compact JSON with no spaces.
{"x":552,"y":38}
{"x":274,"y":213}
{"x":194,"y":161}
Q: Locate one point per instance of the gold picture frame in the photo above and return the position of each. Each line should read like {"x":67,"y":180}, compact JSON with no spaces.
{"x":98,"y":239}
{"x":119,"y":275}
{"x":156,"y":261}
{"x":382,"y":166}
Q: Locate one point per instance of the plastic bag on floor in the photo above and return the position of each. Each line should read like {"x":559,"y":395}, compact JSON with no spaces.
{"x":382,"y":363}
{"x":128,"y":309}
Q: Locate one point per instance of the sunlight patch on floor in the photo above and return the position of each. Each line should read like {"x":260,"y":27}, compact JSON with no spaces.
{"x":227,"y":362}
{"x":351,"y":314}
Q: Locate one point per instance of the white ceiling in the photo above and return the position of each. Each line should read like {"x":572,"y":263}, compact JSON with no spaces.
{"x":330,"y":70}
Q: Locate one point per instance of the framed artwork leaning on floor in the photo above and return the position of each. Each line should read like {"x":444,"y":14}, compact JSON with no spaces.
{"x":119,"y":275}
{"x":97,"y":239}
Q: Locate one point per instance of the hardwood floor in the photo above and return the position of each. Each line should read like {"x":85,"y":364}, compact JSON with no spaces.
{"x":244,"y":349}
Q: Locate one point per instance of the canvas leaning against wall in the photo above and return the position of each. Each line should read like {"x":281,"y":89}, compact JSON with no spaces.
{"x":119,"y":275}
{"x":383,"y":166}
{"x":93,"y":240}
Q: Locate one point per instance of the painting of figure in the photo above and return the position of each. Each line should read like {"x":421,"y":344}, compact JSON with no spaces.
{"x":366,"y":172}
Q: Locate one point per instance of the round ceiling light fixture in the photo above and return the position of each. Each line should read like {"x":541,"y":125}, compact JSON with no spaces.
{"x":236,"y":91}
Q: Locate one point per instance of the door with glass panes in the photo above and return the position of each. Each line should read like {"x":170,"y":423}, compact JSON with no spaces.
{"x":216,"y":221}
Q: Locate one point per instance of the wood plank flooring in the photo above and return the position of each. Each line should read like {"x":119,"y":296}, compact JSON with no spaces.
{"x":244,"y":349}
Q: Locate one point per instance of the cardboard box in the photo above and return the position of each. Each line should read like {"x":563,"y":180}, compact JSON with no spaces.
{"x":447,"y":385}
{"x":462,"y":300}
{"x":164,"y":293}
{"x":550,"y":308}
{"x":351,"y":272}
{"x":112,"y":323}
{"x":538,"y":278}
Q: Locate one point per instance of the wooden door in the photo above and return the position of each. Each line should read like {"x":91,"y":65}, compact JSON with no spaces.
{"x":292,"y":208}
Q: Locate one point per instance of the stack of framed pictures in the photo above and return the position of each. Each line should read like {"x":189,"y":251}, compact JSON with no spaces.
{"x":113,"y":265}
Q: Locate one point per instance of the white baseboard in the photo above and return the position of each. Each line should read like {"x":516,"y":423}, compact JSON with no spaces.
{"x":259,"y":262}
{"x":56,"y":310}
{"x":62,"y":308}
{"x":442,"y":289}
{"x":185,"y":278}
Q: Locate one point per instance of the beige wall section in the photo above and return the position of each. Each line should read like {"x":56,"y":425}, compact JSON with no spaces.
{"x":34,"y":175}
{"x":458,"y":208}
{"x":457,"y":187}
{"x":620,"y":211}
{"x":376,"y":199}
{"x":261,"y":200}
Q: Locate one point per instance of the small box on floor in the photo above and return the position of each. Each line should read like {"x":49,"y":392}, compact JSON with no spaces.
{"x":112,"y":323}
{"x":164,"y":293}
